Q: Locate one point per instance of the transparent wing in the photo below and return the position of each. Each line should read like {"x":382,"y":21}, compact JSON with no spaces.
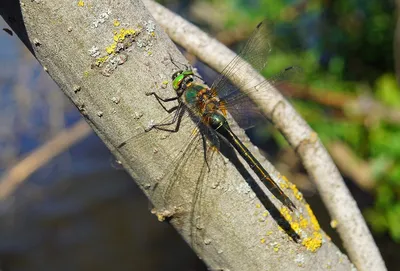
{"x":245,"y":112}
{"x":254,"y":54}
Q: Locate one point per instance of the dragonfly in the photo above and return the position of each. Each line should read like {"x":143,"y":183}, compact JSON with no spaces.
{"x":209,"y":106}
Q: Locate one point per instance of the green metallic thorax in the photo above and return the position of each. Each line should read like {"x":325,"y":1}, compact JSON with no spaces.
{"x":192,"y":91}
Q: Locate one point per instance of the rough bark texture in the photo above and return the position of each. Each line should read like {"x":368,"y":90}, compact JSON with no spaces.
{"x":217,"y":214}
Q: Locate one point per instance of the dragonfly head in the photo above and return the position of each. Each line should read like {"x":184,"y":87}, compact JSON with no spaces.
{"x":176,"y":74}
{"x":180,"y":79}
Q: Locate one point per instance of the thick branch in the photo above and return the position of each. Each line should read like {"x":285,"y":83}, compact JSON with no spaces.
{"x":342,"y":207}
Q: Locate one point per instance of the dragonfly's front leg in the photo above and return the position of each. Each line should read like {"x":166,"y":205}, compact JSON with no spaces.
{"x":164,"y":100}
{"x":176,"y":119}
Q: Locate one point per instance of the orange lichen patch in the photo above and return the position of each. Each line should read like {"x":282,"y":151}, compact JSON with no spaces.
{"x":81,"y":3}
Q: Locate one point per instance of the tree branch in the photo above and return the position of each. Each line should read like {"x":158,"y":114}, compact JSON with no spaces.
{"x":105,"y":57}
{"x":41,"y":156}
{"x":351,"y":226}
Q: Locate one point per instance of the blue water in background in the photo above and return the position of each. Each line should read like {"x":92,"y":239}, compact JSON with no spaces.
{"x":89,"y":154}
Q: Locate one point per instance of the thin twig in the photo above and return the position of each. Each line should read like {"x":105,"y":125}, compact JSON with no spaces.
{"x":41,"y":156}
{"x":352,"y":228}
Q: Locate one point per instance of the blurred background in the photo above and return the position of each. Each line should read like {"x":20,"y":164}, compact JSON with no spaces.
{"x":71,"y":210}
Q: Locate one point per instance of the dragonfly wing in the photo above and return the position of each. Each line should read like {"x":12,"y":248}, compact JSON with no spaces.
{"x":245,"y":112}
{"x":254,"y":54}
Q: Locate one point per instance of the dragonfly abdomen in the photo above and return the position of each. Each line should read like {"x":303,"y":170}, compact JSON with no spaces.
{"x":260,"y":171}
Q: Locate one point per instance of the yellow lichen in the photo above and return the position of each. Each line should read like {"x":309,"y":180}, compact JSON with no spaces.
{"x":314,"y":242}
{"x":313,"y":219}
{"x":265,"y":214}
{"x":119,"y":37}
{"x":295,"y":226}
{"x":258,"y":205}
{"x":116,"y":23}
{"x":334,"y":223}
{"x":300,"y":223}
{"x":303,"y":222}
{"x":287,"y":184}
{"x":101,"y":60}
{"x":286,"y":214}
{"x":81,"y":4}
{"x":111,"y":49}
{"x":262,"y":240}
{"x":269,"y":233}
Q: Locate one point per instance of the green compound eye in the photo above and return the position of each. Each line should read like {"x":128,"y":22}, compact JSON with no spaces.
{"x":176,"y":74}
{"x":178,"y":77}
{"x":176,"y":84}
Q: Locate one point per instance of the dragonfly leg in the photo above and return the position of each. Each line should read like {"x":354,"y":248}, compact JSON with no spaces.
{"x":175,"y":63}
{"x":161,"y":100}
{"x":176,"y":119}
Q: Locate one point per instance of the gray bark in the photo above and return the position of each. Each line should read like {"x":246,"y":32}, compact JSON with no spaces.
{"x":218,"y":216}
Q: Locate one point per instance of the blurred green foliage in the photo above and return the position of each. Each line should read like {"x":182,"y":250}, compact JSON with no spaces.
{"x":343,"y":47}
